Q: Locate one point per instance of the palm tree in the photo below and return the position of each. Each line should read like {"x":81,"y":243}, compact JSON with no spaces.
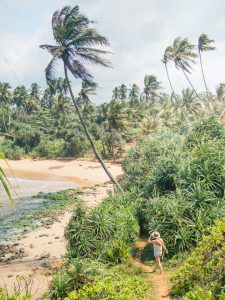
{"x":134,"y":91}
{"x":116,"y":93}
{"x":5,"y":101}
{"x":190,"y":101}
{"x":151,"y":86}
{"x":123,"y":91}
{"x":5,"y":94}
{"x":183,"y":56}
{"x":220,"y":91}
{"x":77,"y":42}
{"x":204,"y":44}
{"x":85,"y":92}
{"x":166,"y":57}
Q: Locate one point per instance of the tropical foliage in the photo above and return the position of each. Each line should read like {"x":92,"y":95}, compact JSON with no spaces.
{"x":205,"y":267}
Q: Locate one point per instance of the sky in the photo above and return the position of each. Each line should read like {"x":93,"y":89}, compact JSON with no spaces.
{"x":138,"y":32}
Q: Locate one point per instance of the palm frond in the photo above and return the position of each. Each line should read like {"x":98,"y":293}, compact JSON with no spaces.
{"x":50,"y":72}
{"x":205,"y":43}
{"x":5,"y":183}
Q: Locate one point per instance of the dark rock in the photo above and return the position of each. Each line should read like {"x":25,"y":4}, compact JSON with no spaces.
{"x":46,"y":263}
{"x":57,"y":237}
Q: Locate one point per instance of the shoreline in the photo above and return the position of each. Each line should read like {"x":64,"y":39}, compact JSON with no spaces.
{"x":80,"y":171}
{"x":44,"y":247}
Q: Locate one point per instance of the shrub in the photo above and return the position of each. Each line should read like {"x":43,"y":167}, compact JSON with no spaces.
{"x":205,"y":267}
{"x":200,"y":295}
{"x":106,"y":231}
{"x":113,"y":287}
{"x":48,"y":148}
{"x":143,"y":159}
{"x":181,"y":180}
{"x":60,"y":285}
{"x":10,"y":150}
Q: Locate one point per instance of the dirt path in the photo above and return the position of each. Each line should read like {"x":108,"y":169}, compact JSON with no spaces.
{"x":160,"y":283}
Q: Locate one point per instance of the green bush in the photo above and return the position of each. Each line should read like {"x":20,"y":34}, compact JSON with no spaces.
{"x":200,"y":295}
{"x":143,"y":160}
{"x":205,"y":267}
{"x":10,"y":150}
{"x":48,"y":148}
{"x":106,"y":231}
{"x":181,"y":181}
{"x":114,"y":287}
{"x":60,"y":285}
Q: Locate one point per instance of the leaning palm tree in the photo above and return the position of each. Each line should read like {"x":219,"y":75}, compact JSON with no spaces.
{"x":184,"y":56}
{"x":77,"y":43}
{"x":168,"y":54}
{"x":204,"y":44}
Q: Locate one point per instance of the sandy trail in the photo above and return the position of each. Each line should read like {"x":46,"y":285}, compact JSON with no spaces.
{"x":160,"y":283}
{"x":44,"y":247}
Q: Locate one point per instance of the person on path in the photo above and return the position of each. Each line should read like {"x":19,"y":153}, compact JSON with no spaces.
{"x":159,"y":247}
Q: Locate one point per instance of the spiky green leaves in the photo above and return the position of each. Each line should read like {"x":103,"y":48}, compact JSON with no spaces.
{"x":77,"y":43}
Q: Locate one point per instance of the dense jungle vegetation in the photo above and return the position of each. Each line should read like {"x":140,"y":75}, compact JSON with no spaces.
{"x":174,"y":175}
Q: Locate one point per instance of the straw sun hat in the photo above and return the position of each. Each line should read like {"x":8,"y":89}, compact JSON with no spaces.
{"x":155,"y":235}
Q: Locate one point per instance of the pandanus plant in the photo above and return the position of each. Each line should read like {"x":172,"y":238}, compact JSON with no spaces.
{"x":77,"y":43}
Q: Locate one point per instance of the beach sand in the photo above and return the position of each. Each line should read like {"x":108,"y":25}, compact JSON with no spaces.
{"x":44,"y":247}
{"x":82,"y":172}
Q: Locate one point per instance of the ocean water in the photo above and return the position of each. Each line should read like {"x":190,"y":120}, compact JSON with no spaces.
{"x":22,"y":191}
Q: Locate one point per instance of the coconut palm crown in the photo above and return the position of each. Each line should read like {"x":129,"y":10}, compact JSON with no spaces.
{"x":183,"y":54}
{"x":77,"y":43}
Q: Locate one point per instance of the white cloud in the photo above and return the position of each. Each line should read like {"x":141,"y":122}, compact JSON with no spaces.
{"x":138,"y":32}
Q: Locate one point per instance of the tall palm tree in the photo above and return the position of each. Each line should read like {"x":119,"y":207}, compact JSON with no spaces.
{"x":204,"y":44}
{"x":168,"y":54}
{"x":77,"y":43}
{"x":183,"y":56}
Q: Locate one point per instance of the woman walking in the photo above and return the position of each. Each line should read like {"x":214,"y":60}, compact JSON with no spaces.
{"x":159,"y":247}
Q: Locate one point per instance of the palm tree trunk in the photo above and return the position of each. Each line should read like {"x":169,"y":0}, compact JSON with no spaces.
{"x":195,"y":90}
{"x":88,"y":134}
{"x":203,"y":75}
{"x":167,"y":73}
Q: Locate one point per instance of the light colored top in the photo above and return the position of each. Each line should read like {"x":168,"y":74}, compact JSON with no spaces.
{"x":157,"y":250}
